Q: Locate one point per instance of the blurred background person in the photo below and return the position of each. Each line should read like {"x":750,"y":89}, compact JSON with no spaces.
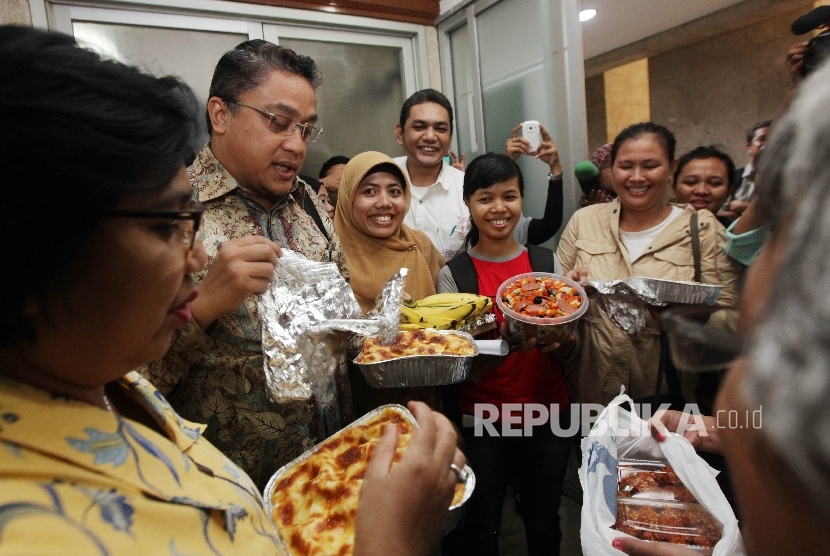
{"x":331,"y":172}
{"x":739,"y":199}
{"x":323,"y":195}
{"x":601,"y":158}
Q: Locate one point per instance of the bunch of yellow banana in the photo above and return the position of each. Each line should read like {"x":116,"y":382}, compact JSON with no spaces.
{"x":444,"y":311}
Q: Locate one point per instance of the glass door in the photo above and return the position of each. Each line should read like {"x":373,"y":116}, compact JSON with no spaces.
{"x":366,"y":78}
{"x":368,"y":69}
{"x":162,"y":44}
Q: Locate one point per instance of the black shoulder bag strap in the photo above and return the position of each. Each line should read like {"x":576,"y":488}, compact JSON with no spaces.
{"x":466,"y":281}
{"x":666,"y":366}
{"x":311,"y":209}
{"x":694,"y":228}
{"x":464,"y":273}
{"x":541,"y":258}
{"x":466,"y":278}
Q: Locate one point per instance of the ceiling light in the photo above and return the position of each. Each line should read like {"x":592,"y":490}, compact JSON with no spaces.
{"x":585,"y":15}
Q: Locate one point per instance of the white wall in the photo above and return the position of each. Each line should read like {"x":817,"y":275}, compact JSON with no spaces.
{"x":447,"y":5}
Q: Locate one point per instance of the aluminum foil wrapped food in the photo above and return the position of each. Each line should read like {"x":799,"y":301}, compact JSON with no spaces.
{"x":308,"y":314}
{"x":626,"y":306}
{"x":626,"y":301}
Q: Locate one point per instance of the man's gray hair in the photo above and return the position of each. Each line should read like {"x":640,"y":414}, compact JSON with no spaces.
{"x":789,"y":373}
{"x":248,"y":65}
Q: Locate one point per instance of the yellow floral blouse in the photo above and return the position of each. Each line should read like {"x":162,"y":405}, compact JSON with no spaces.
{"x":216,"y":376}
{"x":76,"y":479}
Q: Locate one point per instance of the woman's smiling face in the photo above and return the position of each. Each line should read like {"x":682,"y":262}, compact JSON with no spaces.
{"x":379,"y":205}
{"x":703,"y":183}
{"x":641,"y":171}
{"x":496,"y":209}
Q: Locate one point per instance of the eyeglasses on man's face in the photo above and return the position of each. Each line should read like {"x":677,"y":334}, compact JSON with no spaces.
{"x":701,"y":339}
{"x":284,"y":125}
{"x":187,"y":220}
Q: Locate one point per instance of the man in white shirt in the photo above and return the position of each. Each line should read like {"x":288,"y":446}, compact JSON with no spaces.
{"x":437,"y":207}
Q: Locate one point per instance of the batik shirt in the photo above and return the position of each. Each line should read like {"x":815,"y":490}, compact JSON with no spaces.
{"x":216,"y":376}
{"x":77,"y":479}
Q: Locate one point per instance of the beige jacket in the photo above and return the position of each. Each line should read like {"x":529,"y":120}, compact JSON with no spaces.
{"x":608,"y":357}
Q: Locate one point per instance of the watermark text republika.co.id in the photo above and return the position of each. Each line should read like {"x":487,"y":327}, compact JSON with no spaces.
{"x":517,"y":419}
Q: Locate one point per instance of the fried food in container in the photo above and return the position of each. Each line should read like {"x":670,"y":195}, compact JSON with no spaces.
{"x":653,"y":504}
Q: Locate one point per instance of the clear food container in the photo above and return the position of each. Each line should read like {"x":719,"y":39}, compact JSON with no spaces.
{"x":675,"y":522}
{"x":644,"y":480}
{"x":545,"y":330}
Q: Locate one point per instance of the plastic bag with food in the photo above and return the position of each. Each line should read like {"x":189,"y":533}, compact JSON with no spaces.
{"x":620,"y":434}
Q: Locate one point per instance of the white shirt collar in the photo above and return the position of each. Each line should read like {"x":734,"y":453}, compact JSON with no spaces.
{"x":441,"y":181}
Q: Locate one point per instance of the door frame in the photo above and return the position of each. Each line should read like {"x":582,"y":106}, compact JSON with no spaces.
{"x":252,"y":19}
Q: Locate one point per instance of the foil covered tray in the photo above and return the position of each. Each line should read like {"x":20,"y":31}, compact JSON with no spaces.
{"x":455,"y":510}
{"x":673,"y":291}
{"x":420,"y":370}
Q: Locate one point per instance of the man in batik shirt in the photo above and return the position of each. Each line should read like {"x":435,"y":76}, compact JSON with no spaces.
{"x":261,"y":114}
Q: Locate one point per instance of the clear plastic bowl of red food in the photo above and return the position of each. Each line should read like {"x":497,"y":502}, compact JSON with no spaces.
{"x":546,"y":329}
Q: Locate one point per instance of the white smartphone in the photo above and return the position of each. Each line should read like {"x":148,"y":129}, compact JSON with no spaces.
{"x":531,"y":132}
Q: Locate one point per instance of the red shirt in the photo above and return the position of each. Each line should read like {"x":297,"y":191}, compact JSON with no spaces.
{"x":525,"y":376}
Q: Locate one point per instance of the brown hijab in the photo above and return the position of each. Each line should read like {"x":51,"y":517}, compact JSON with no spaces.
{"x":373,"y":261}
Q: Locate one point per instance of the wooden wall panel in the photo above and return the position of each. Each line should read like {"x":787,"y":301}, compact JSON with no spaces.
{"x":423,"y":12}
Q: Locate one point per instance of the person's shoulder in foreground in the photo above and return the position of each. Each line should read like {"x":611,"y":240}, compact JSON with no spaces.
{"x":98,"y":483}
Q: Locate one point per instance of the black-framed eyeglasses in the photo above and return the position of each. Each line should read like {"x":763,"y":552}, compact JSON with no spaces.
{"x":281,"y":124}
{"x":188,"y":220}
{"x":701,"y":338}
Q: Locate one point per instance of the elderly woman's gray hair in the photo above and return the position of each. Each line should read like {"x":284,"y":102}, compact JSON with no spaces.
{"x":789,"y":372}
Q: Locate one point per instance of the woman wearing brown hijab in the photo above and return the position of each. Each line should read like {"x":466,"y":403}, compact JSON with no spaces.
{"x":373,"y":200}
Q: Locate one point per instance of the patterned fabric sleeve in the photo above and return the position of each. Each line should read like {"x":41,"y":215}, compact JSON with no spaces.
{"x":189,"y":344}
{"x":337,"y":255}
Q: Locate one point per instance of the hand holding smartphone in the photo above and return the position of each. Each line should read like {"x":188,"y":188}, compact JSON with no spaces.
{"x":531,"y":132}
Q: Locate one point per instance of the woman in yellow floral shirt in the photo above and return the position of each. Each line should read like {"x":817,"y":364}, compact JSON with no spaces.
{"x":100,"y":225}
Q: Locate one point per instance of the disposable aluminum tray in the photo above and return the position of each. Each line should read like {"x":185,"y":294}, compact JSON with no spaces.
{"x":420,"y":370}
{"x":455,"y":510}
{"x":672,"y":291}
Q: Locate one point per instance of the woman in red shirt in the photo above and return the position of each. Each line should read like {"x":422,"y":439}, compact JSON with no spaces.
{"x":530,"y":457}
